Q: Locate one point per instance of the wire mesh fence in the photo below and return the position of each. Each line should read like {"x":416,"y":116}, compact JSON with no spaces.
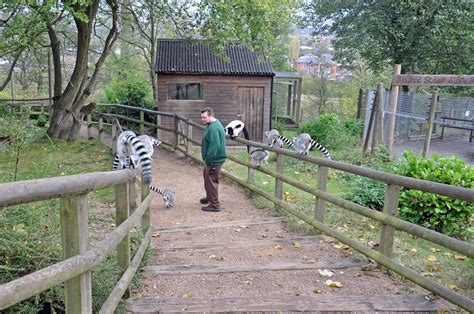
{"x":453,"y":125}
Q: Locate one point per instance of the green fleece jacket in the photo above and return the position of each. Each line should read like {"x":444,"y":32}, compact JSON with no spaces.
{"x":213,"y":144}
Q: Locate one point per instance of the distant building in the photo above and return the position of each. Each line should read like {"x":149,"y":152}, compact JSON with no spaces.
{"x":312,"y":65}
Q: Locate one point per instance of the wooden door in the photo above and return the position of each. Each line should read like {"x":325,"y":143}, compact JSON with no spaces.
{"x":251,"y":111}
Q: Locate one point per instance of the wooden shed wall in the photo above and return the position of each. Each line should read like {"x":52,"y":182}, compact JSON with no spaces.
{"x":219,"y":92}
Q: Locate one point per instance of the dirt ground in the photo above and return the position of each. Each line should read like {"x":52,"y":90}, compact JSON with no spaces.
{"x":184,"y":177}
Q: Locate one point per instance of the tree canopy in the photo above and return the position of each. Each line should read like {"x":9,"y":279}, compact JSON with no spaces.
{"x":91,"y":27}
{"x":424,"y":36}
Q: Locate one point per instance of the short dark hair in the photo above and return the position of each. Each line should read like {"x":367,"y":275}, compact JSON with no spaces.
{"x":209,"y":111}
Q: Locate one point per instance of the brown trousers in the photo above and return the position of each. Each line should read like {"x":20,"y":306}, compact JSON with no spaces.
{"x":211,"y":185}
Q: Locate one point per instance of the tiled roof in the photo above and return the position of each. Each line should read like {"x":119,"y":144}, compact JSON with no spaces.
{"x":196,"y":57}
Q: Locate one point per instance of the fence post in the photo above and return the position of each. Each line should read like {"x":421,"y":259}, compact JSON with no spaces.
{"x":158,"y":123}
{"x":142,"y":120}
{"x":320,"y":204}
{"x":89,"y":126}
{"x":377,"y":137}
{"x":121,"y":214}
{"x":280,"y":168}
{"x":176,"y":135}
{"x":189,"y":134}
{"x":429,"y":123}
{"x":392,"y":111}
{"x":114,"y":136}
{"x":132,"y":194}
{"x":75,"y":240}
{"x":101,"y":128}
{"x":390,"y":207}
{"x":146,"y":215}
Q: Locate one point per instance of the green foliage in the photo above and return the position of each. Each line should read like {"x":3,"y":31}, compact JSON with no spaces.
{"x":443,"y":214}
{"x":278,"y":125}
{"x":368,"y":192}
{"x":131,"y":92}
{"x":41,"y":120}
{"x":423,"y":36}
{"x":330,"y":131}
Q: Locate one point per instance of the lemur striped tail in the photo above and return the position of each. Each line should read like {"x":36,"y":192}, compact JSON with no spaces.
{"x":286,"y":141}
{"x":168,"y":195}
{"x":144,"y":160}
{"x":323,"y":149}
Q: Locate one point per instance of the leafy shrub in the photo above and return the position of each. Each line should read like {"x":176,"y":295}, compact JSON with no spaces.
{"x":41,"y":120}
{"x":367,"y":192}
{"x":132,"y":92}
{"x":332,"y":132}
{"x":278,"y":125}
{"x":440,"y":213}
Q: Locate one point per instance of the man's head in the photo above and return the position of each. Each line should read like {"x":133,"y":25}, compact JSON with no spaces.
{"x":207,"y":115}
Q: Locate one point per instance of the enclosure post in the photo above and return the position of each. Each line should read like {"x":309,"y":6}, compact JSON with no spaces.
{"x":146,"y":215}
{"x":250,"y":172}
{"x":320,"y":204}
{"x":429,"y":124}
{"x":288,"y":102}
{"x":132,"y":194}
{"x":298,"y":104}
{"x":176,"y":135}
{"x":369,"y":127}
{"x":121,"y":214}
{"x":189,"y":135}
{"x":377,"y":137}
{"x":75,"y":240}
{"x":101,"y":128}
{"x":280,"y":167}
{"x":158,"y":123}
{"x":359,"y":104}
{"x":89,"y":126}
{"x":114,"y":136}
{"x":142,"y":121}
{"x":390,"y":207}
{"x":392,"y":111}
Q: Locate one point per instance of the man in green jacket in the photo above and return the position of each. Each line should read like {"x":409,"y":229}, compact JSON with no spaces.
{"x":213,"y":154}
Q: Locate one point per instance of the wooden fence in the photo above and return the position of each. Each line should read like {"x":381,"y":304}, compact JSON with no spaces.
{"x":75,"y":270}
{"x":183,"y":142}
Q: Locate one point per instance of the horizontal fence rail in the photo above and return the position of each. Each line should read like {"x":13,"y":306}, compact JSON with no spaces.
{"x":182,"y":133}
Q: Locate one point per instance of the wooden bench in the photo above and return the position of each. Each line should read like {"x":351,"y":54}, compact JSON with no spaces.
{"x":457,"y":123}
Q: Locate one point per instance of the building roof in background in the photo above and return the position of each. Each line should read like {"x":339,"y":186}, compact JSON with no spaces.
{"x":175,"y":56}
{"x":309,"y":58}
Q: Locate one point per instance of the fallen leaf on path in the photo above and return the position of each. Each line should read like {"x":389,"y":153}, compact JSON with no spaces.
{"x":297,"y":244}
{"x":447,"y":254}
{"x":434,"y":250}
{"x":325,"y":273}
{"x":460,"y":257}
{"x":341,"y":247}
{"x":264,"y":236}
{"x":156,"y":235}
{"x":316,"y":291}
{"x":331,"y":283}
{"x":187,"y":295}
{"x":216,"y":257}
{"x":431,"y":259}
{"x":278,"y":247}
{"x":453,"y":287}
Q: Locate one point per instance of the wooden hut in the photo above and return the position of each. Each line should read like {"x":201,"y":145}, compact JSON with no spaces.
{"x":237,"y":84}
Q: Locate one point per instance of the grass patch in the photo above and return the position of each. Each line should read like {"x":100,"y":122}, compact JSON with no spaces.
{"x":31,"y":237}
{"x":430,"y":260}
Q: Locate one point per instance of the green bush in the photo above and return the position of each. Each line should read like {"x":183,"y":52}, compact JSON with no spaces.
{"x":330,"y":131}
{"x":132,"y":92}
{"x":41,"y":120}
{"x":367,"y":192}
{"x":443,"y":214}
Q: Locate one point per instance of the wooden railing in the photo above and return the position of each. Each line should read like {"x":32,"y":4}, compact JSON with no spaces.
{"x":182,"y":133}
{"x":75,"y":270}
{"x":40,"y":106}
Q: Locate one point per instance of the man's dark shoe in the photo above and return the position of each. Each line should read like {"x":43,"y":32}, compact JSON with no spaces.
{"x":203,"y":200}
{"x":210,"y":208}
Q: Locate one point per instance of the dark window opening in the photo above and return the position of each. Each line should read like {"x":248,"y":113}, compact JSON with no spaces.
{"x":185,"y":91}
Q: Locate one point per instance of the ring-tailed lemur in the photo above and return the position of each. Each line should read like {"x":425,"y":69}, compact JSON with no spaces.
{"x":274,"y":137}
{"x":304,"y":143}
{"x":150,"y":143}
{"x":259,"y":157}
{"x":132,"y":152}
{"x":168,"y":195}
{"x":234,"y":128}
